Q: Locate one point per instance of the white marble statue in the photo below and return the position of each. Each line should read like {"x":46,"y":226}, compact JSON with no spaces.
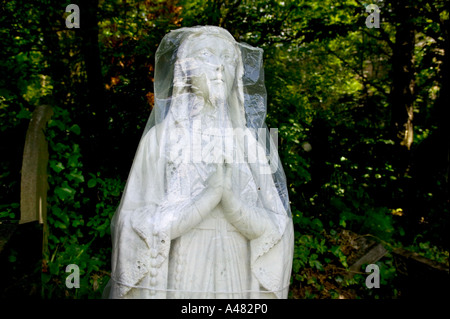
{"x":205,"y":212}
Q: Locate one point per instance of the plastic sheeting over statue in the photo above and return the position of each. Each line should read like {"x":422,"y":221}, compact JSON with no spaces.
{"x":205,"y":211}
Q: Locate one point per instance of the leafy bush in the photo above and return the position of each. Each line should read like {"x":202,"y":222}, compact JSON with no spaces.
{"x":79,"y":223}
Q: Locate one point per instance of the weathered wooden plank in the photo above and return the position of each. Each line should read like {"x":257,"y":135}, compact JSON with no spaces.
{"x":412,"y":259}
{"x":372,"y":256}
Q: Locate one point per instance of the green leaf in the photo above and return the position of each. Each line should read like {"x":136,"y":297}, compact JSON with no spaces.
{"x":317,"y":224}
{"x":75,"y":129}
{"x":64,"y":218}
{"x":60,"y":225}
{"x":92,"y":182}
{"x":24,"y":114}
{"x":316,"y":264}
{"x":77,"y":176}
{"x":74,"y":160}
{"x":77,"y":222}
{"x":64,"y":192}
{"x":56,"y":166}
{"x":335,"y":250}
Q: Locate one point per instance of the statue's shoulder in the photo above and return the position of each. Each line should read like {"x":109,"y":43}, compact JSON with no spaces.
{"x":154,"y":134}
{"x":151,"y":141}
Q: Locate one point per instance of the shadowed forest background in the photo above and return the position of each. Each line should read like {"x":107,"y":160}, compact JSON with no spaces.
{"x":361,"y":113}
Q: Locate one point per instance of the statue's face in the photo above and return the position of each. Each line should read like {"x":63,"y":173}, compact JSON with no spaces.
{"x":212,"y":65}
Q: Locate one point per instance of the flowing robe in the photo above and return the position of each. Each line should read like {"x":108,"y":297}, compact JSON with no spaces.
{"x":174,"y":253}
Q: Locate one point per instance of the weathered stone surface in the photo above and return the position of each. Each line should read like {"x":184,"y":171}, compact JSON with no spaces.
{"x":33,"y":198}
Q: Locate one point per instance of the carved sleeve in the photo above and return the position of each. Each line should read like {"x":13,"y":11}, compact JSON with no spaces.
{"x":253,"y":222}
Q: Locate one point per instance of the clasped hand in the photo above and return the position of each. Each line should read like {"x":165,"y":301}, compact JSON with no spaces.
{"x":222,"y":183}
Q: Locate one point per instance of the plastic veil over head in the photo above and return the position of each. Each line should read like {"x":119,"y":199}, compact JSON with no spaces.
{"x":205,"y":211}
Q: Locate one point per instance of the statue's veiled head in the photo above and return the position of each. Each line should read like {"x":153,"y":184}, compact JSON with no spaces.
{"x":209,"y":65}
{"x":203,"y":71}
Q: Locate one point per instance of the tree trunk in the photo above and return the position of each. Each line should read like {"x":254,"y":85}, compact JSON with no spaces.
{"x":443,"y":103}
{"x":91,"y":54}
{"x":58,"y":70}
{"x":403,"y":80}
{"x":95,"y":123}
